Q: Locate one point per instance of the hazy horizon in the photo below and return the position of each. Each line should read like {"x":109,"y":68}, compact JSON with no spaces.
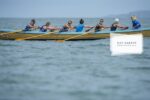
{"x":69,"y":8}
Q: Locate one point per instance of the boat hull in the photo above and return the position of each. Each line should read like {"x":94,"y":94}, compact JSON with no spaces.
{"x":59,"y":36}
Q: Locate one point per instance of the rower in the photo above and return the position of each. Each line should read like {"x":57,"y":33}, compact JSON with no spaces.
{"x":81,"y":26}
{"x":47,"y":27}
{"x":100,"y":26}
{"x":117,"y":25}
{"x":135,"y":23}
{"x":67,"y":27}
{"x":31,"y":26}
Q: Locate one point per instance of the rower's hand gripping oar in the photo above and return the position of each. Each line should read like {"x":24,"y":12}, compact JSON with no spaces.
{"x":21,"y":39}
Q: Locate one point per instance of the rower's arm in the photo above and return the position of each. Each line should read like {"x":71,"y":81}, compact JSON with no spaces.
{"x":53,"y":28}
{"x":89,"y":26}
{"x":107,"y":27}
{"x":123,"y":27}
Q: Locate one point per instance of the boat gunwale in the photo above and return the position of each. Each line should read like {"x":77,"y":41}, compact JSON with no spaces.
{"x":78,"y":33}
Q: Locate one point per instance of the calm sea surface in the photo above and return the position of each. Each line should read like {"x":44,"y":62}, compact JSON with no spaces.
{"x":73,"y":70}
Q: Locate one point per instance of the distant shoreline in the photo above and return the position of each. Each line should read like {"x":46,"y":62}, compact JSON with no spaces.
{"x":139,"y":14}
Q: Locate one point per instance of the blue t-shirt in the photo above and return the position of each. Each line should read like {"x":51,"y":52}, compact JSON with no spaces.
{"x":79,"y":28}
{"x":136,"y":24}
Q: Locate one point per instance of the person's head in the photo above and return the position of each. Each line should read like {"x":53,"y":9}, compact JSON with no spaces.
{"x":48,"y":23}
{"x":32,"y":22}
{"x":70,"y":22}
{"x":81,"y":21}
{"x":101,"y":21}
{"x":116,"y":20}
{"x":133,"y":18}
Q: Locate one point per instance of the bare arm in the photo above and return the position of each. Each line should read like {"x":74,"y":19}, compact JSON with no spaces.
{"x":53,"y":28}
{"x":89,"y":26}
{"x":122,"y":27}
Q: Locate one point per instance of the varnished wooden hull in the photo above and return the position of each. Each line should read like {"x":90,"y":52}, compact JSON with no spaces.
{"x":59,"y":36}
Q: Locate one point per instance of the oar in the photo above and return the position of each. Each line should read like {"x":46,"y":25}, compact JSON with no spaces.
{"x":87,"y":32}
{"x":11,"y":32}
{"x":89,"y":29}
{"x":72,"y":37}
{"x":21,"y":39}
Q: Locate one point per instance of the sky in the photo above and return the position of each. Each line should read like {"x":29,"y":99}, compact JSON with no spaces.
{"x":69,"y":8}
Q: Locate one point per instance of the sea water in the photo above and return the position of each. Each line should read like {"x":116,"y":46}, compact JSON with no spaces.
{"x":73,"y":70}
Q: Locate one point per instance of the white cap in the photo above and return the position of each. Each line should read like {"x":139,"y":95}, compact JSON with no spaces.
{"x":116,"y":20}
